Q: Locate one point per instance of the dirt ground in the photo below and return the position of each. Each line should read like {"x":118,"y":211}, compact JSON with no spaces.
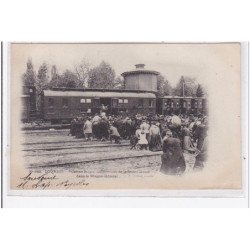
{"x":55,"y":160}
{"x":56,"y":147}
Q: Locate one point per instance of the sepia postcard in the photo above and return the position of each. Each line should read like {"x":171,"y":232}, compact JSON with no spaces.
{"x":125,"y":118}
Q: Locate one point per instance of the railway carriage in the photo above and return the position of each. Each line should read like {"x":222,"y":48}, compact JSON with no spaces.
{"x":138,"y":97}
{"x":185,"y":105}
{"x":64,"y":105}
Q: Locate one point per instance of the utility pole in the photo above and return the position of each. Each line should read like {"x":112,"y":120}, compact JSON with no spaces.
{"x":183,"y":86}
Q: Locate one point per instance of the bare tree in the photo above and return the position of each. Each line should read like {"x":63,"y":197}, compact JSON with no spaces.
{"x":82,"y":72}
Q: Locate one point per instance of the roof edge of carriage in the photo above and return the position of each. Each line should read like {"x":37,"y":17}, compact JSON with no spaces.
{"x":100,"y":90}
{"x":181,"y":97}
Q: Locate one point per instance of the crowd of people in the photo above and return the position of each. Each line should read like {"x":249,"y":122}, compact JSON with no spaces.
{"x":173,"y":134}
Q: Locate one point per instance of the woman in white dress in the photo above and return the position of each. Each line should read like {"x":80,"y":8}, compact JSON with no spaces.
{"x":143,"y":142}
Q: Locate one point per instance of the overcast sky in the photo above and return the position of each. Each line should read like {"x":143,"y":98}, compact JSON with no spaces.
{"x":171,"y":60}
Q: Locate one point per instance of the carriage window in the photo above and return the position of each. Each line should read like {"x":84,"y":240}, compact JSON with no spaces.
{"x":125,"y":100}
{"x":88,"y":100}
{"x":51,"y":102}
{"x":151,"y":103}
{"x":184,"y":104}
{"x":82,"y":101}
{"x":65,"y":103}
{"x":120,"y":101}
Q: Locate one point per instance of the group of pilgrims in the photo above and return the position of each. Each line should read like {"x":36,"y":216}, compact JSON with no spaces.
{"x":174,"y":134}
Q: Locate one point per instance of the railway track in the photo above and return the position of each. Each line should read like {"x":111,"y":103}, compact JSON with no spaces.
{"x":110,"y":158}
{"x":76,"y":141}
{"x":57,"y":142}
{"x":79,"y":153}
{"x":75,"y":147}
{"x":81,"y":150}
{"x":45,"y":131}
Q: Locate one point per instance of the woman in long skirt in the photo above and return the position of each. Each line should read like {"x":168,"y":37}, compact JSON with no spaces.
{"x":173,"y":161}
{"x":188,"y":145}
{"x":155,"y":142}
{"x":202,"y":156}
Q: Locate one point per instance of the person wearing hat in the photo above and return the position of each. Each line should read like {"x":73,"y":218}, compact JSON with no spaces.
{"x":202,"y":155}
{"x":145,"y":127}
{"x":175,"y":125}
{"x":87,"y":129}
{"x":142,"y":142}
{"x":95,"y":123}
{"x":72,"y":131}
{"x":135,"y":137}
{"x":155,"y":143}
{"x":114,"y":134}
{"x":188,"y":145}
{"x":191,"y":122}
{"x":103,"y":128}
{"x":79,"y":128}
{"x":173,"y":162}
{"x":201,"y":133}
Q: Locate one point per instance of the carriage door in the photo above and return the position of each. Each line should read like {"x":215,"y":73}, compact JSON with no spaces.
{"x":51,"y":103}
{"x":96,"y":106}
{"x":114,"y":108}
{"x":105,"y":105}
{"x":183,"y":106}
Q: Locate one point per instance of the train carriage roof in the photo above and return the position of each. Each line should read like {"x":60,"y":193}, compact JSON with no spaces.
{"x":181,"y":97}
{"x":97,"y":94}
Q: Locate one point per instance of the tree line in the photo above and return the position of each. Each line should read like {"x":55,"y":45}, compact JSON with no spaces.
{"x":103,"y":75}
{"x":186,"y":86}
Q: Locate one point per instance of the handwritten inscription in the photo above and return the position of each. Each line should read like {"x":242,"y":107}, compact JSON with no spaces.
{"x":47,"y":180}
{"x":73,"y":178}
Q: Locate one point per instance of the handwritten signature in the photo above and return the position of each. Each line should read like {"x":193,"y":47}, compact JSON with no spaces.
{"x":47,"y":180}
